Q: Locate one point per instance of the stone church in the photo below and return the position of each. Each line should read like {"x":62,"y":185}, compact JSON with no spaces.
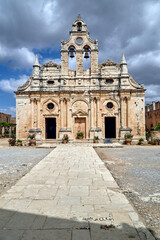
{"x":102,"y":100}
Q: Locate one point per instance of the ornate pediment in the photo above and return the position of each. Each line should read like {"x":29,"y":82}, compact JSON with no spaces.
{"x":25,"y":85}
{"x":79,"y":112}
{"x":51,"y":64}
{"x":109,"y":63}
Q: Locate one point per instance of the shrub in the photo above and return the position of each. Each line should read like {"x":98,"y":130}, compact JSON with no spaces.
{"x":12,"y":141}
{"x":80,"y":134}
{"x":18,"y":140}
{"x":96,"y":138}
{"x":128,"y":135}
{"x":141,"y":140}
{"x":148,"y":135}
{"x":157,"y":128}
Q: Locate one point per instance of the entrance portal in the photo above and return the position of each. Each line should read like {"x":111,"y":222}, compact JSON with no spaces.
{"x":110,"y":127}
{"x":80,"y":126}
{"x":50,"y":128}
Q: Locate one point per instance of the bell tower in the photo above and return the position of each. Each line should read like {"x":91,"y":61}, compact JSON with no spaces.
{"x":80,"y":46}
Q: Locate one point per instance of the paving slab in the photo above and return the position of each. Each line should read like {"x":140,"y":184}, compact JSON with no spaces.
{"x":69,"y":195}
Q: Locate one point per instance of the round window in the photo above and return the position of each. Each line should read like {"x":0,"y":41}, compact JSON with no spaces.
{"x":109,"y":105}
{"x":79,"y":40}
{"x":50,"y":105}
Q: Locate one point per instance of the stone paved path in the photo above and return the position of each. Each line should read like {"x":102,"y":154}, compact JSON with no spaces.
{"x":69,"y":195}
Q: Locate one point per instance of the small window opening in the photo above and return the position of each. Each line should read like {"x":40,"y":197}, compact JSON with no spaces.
{"x":50,"y":82}
{"x":109,"y":81}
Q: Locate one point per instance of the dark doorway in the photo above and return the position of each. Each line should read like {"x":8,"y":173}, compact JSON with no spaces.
{"x":50,"y":128}
{"x":110,"y":127}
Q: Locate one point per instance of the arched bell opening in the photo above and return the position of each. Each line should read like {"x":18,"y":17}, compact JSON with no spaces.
{"x":86,"y":57}
{"x":72,"y":58}
{"x":79,"y":26}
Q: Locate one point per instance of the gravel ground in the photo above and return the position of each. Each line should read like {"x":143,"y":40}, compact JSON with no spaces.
{"x":137,"y":171}
{"x":15,"y":162}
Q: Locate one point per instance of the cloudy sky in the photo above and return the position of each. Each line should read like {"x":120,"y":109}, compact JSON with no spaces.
{"x":38,"y":26}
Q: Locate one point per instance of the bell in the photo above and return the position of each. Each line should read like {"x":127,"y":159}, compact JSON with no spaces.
{"x":72,"y":52}
{"x":72,"y":55}
{"x":79,"y":26}
{"x":86,"y":55}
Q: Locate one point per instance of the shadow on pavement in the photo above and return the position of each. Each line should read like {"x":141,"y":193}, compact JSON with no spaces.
{"x":27,"y":226}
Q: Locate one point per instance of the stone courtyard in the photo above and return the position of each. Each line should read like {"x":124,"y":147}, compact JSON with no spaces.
{"x":70,"y":194}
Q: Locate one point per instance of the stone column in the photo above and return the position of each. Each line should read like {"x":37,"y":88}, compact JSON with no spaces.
{"x":126,"y":112}
{"x":94,"y":62}
{"x":64,"y":62}
{"x":32,"y":113}
{"x":3,"y":130}
{"x":89,"y":118}
{"x":10,"y":131}
{"x":61,"y":113}
{"x":35,"y":111}
{"x":98,"y":99}
{"x":79,"y":62}
{"x":91,"y":112}
{"x":38,"y":113}
{"x":122,"y":112}
{"x":67,"y":113}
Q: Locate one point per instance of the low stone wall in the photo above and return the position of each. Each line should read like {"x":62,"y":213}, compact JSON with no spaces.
{"x":155,"y":135}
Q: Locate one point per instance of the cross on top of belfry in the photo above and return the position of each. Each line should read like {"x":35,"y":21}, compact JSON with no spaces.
{"x":79,"y":17}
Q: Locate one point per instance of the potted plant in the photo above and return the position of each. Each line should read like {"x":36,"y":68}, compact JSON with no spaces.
{"x":156,"y":141}
{"x":65,"y":138}
{"x":96,"y":139}
{"x":141,"y":141}
{"x":128,"y":138}
{"x":12,"y":141}
{"x":80,"y":135}
{"x":32,"y":140}
{"x":19,"y":142}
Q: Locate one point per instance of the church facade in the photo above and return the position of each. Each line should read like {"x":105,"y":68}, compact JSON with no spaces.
{"x":102,"y":100}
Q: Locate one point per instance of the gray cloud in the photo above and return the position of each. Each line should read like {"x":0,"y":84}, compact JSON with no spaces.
{"x":10,"y":85}
{"x":128,"y":26}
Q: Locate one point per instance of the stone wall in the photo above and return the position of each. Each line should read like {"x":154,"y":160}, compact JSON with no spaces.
{"x":152,"y":115}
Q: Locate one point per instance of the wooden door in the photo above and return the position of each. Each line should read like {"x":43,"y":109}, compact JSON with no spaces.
{"x":80,"y":126}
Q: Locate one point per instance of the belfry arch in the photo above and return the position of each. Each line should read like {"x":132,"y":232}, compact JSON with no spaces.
{"x":81,"y":48}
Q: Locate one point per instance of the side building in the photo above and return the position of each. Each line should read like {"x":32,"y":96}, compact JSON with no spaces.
{"x":103,"y":100}
{"x":5,"y":117}
{"x":152,"y":114}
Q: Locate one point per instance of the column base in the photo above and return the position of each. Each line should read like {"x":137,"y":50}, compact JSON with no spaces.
{"x":123,"y":131}
{"x":63,"y":131}
{"x":37,"y":132}
{"x":95,"y":132}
